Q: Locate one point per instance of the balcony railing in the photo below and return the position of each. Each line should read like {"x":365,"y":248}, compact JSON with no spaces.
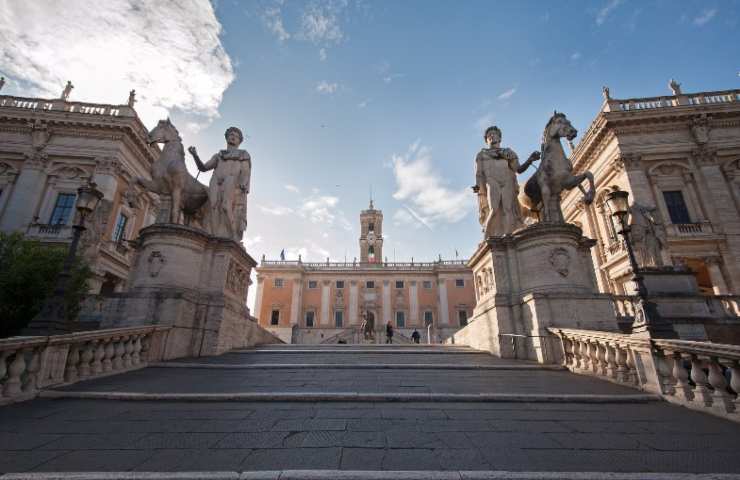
{"x":651,"y":103}
{"x":443,"y":264}
{"x":44,"y":231}
{"x":60,"y":105}
{"x":691,"y":229}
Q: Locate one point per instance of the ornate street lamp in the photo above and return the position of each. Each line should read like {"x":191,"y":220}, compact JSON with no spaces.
{"x":647,"y":318}
{"x":52,"y":319}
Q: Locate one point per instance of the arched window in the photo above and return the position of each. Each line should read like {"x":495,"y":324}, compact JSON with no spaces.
{"x":371,"y":253}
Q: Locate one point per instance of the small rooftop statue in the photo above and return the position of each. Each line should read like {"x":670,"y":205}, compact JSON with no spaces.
{"x":2,"y":82}
{"x":605,"y":92}
{"x":675,"y":87}
{"x":131,"y":98}
{"x":67,"y":90}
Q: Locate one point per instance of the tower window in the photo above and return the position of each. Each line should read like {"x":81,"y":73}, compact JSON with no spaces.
{"x":676,"y":205}
{"x":371,"y":227}
{"x":371,"y":253}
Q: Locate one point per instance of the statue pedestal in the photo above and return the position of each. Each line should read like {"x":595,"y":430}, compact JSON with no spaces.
{"x":192,"y":281}
{"x":539,"y":277}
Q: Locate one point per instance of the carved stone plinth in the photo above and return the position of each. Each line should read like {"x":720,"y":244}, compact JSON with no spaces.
{"x":192,"y":281}
{"x":539,"y":277}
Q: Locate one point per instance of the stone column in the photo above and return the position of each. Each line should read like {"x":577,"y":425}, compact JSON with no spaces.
{"x":642,"y":192}
{"x":386,"y":301}
{"x":29,"y":187}
{"x":295,"y":300}
{"x":325,"y":291}
{"x":715,"y":275}
{"x":414,"y":303}
{"x":444,"y":310}
{"x":353,"y":295}
{"x":258,"y":299}
{"x":105,"y":176}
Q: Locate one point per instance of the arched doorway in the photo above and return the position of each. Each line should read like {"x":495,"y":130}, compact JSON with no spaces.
{"x":369,"y":321}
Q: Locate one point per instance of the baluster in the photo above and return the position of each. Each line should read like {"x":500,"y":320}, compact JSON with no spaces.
{"x":85,"y":359}
{"x":137,"y":350}
{"x":110,"y":350}
{"x":118,"y":357}
{"x":586,"y":356}
{"x":632,"y":376}
{"x":97,"y":364}
{"x":665,"y":373}
{"x":17,"y":367}
{"x":129,"y":348}
{"x":722,"y":399}
{"x":31,"y":381}
{"x":601,"y":356}
{"x":611,"y":361}
{"x":71,"y":373}
{"x":734,"y":383}
{"x":3,"y":370}
{"x":699,"y":378}
{"x":593,"y":351}
{"x":623,"y":372}
{"x":681,"y":376}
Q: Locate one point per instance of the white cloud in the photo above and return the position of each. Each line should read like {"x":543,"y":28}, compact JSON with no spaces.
{"x":273,"y":19}
{"x":320,"y":23}
{"x":170,"y":52}
{"x":604,"y":12}
{"x":276,"y":210}
{"x":327,"y":88}
{"x":322,"y":54}
{"x":363,"y":103}
{"x":575,"y":56}
{"x":705,"y":17}
{"x":292,"y":188}
{"x":319,"y":209}
{"x":507,"y":94}
{"x":428,"y":199}
{"x":250,"y":242}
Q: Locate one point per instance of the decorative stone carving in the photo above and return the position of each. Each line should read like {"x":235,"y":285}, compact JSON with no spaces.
{"x":156,"y":262}
{"x":236,"y":278}
{"x":632,"y":161}
{"x":700,"y":129}
{"x":674,"y":86}
{"x":107,"y":166}
{"x":67,"y":90}
{"x":497,"y":187}
{"x":648,"y":235}
{"x":229,"y":186}
{"x":554,"y":173}
{"x":560,"y":261}
{"x":705,"y":155}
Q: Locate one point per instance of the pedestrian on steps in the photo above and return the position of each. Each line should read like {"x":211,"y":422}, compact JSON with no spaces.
{"x":389,"y":333}
{"x":416,"y":336}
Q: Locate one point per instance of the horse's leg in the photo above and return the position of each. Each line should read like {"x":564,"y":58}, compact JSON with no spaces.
{"x":176,"y":203}
{"x":149,"y":185}
{"x":545,"y":192}
{"x":576,"y":180}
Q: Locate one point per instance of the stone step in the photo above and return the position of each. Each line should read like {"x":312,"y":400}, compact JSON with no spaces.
{"x":359,"y":366}
{"x":356,"y":350}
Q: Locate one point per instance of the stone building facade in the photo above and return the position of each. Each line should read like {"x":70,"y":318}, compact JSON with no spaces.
{"x":328,"y":302}
{"x":48,"y":148}
{"x":679,"y":156}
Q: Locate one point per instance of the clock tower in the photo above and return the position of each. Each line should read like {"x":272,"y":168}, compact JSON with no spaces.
{"x":371,"y":235}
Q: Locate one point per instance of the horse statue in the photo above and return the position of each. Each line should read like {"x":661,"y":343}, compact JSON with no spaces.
{"x":554,"y":174}
{"x":171,"y":177}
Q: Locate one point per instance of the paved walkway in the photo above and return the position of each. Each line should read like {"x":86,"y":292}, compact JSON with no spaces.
{"x":571,"y":434}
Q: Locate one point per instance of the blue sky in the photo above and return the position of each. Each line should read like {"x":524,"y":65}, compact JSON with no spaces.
{"x":338,"y":95}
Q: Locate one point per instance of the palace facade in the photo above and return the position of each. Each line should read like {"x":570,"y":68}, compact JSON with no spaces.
{"x":679,"y":154}
{"x":48,"y":149}
{"x":329,"y":302}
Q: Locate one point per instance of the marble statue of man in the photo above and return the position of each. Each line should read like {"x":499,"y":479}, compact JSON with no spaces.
{"x":648,"y":235}
{"x":497,"y":187}
{"x":229,"y":186}
{"x":67,"y":90}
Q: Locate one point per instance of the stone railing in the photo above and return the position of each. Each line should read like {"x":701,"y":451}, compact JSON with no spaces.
{"x":42,"y":231}
{"x":714,"y":306}
{"x":60,"y":105}
{"x":690,"y":229}
{"x":699,"y":375}
{"x":451,"y":264}
{"x":650,"y":103}
{"x":28,"y":364}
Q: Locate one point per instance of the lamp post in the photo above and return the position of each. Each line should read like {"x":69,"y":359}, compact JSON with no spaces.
{"x":647,"y":318}
{"x":52,"y":319}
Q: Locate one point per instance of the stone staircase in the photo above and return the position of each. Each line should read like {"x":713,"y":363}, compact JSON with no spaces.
{"x":360,"y":412}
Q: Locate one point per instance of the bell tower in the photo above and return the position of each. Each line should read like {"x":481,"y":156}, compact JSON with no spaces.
{"x":371,"y":235}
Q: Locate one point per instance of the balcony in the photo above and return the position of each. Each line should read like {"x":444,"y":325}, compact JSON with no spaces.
{"x":698,"y":229}
{"x":49,"y":233}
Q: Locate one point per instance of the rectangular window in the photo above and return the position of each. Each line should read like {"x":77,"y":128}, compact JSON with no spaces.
{"x":426,"y":284}
{"x":428,"y":318}
{"x":312,"y":284}
{"x":676,"y":205}
{"x":278,"y":283}
{"x":120,"y":230}
{"x":462,"y":315}
{"x":275,"y":317}
{"x":338,"y":318}
{"x":371,"y":227}
{"x":62,"y":209}
{"x":459,"y":282}
{"x":399,"y":283}
{"x":310,"y":315}
{"x":400,"y":319}
{"x":340,"y":284}
{"x":369,"y":284}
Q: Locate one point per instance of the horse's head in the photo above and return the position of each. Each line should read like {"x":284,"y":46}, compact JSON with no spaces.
{"x":559,"y":126}
{"x":164,"y":132}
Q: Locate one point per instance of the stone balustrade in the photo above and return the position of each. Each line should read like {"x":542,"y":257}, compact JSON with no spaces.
{"x":310,"y":266}
{"x":667,"y":101}
{"x":28,"y":364}
{"x":42,"y":231}
{"x":699,"y":375}
{"x":60,"y":105}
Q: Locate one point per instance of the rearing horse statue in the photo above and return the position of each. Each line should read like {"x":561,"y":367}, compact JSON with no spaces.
{"x":554,"y":173}
{"x":171,"y":177}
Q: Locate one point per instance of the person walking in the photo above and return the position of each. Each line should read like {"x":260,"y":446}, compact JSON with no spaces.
{"x":389,"y":333}
{"x":416,"y":336}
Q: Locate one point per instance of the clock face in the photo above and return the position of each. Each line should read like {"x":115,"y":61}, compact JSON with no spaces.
{"x":371,"y":236}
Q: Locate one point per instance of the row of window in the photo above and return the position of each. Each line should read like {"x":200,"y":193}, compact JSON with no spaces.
{"x":310,"y":318}
{"x":339,"y":284}
{"x":64,"y":206}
